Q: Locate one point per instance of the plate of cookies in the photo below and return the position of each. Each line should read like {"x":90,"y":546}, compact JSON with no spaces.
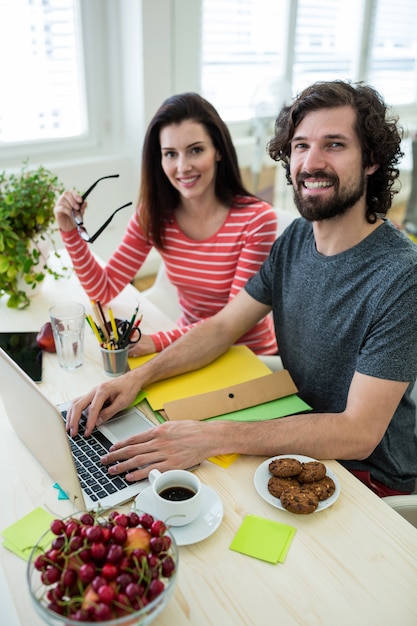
{"x":296,"y":483}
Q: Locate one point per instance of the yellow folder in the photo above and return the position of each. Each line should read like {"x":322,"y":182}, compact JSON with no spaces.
{"x":239,"y":364}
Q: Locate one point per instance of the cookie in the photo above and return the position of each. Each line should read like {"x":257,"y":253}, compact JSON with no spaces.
{"x":285,"y":468}
{"x":323,"y":488}
{"x":277,"y":484}
{"x":311,"y":471}
{"x":301,"y":503}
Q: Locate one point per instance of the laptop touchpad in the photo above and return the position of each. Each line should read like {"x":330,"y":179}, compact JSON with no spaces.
{"x":128,"y":423}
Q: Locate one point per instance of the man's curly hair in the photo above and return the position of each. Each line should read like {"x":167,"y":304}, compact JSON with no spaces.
{"x":377,"y":129}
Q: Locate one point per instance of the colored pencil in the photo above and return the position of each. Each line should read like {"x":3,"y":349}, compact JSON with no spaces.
{"x":102,"y":324}
{"x":93,"y":327}
{"x":113,"y":326}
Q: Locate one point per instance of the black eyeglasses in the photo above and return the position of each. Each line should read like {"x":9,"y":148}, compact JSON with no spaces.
{"x":78,"y":219}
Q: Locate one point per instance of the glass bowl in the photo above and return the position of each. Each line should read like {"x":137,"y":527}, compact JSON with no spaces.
{"x":75,"y":568}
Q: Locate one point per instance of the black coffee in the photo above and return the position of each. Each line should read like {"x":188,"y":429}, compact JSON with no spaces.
{"x":177,"y":493}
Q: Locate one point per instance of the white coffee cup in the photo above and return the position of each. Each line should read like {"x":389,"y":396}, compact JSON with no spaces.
{"x":177,"y":496}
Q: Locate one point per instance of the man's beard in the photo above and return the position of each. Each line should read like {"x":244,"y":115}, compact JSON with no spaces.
{"x":315,"y":209}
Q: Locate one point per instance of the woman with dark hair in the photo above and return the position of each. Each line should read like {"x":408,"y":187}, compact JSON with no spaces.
{"x":212,"y":234}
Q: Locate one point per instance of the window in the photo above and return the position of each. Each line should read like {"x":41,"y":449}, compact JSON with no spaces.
{"x":60,"y":68}
{"x":393,"y":58}
{"x":45,"y":96}
{"x":243,"y":49}
{"x":256,"y":52}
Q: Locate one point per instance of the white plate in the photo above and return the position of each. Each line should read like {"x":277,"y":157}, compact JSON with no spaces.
{"x":206,"y":523}
{"x":262,"y":476}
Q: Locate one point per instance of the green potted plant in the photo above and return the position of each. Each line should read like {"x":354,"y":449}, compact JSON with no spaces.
{"x":27,"y":200}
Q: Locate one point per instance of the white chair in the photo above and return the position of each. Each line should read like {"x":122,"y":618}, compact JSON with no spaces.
{"x":406,"y":506}
{"x":163,"y":294}
{"x":284,"y":219}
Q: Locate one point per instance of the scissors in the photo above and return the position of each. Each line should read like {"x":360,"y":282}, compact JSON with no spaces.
{"x":128,"y":334}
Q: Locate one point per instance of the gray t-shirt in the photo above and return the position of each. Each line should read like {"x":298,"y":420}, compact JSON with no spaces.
{"x":353,"y":311}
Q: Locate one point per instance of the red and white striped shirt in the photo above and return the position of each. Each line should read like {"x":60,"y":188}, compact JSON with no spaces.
{"x":207,"y":273}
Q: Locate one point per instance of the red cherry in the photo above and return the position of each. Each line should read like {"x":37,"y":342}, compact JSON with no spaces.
{"x":123,"y":580}
{"x":75,"y":543}
{"x":115,"y":553}
{"x":58,"y":543}
{"x":123,"y":603}
{"x":87,"y":519}
{"x":94,"y":533}
{"x":133,"y":590}
{"x":155,"y":588}
{"x":158,"y":528}
{"x":51,"y":575}
{"x":122,"y":520}
{"x":54,"y":556}
{"x":40,"y":562}
{"x":87,"y":572}
{"x":133,"y":519}
{"x":56,"y":608}
{"x":166,"y":541}
{"x":85,"y":555}
{"x":106,"y":594}
{"x":156,"y":544}
{"x":71,"y":528}
{"x":69,"y":577}
{"x":124,"y":565}
{"x":98,"y":582}
{"x":146,"y":520}
{"x":98,"y":551}
{"x":153,"y":560}
{"x":119,"y":534}
{"x":139,"y":554}
{"x":57,"y":526}
{"x":168,"y":566}
{"x":109,"y":571}
{"x":80,"y":615}
{"x":55,"y":594}
{"x":102,"y":613}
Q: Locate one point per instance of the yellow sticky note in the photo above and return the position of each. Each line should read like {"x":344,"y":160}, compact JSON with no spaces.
{"x":224,"y":460}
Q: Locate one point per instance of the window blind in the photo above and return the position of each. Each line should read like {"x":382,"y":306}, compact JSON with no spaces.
{"x":250,"y":43}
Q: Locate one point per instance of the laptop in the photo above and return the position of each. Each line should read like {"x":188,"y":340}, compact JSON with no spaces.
{"x":41,"y":426}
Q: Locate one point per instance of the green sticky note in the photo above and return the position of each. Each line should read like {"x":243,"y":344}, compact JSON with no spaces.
{"x":263,"y":539}
{"x":21,"y":536}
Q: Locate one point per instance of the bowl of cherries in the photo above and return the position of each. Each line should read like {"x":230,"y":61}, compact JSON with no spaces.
{"x":106,"y":567}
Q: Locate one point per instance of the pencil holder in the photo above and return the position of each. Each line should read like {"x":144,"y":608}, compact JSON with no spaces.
{"x":114,"y":361}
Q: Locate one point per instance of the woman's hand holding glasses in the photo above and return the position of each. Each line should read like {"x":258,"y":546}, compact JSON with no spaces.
{"x":70,"y":208}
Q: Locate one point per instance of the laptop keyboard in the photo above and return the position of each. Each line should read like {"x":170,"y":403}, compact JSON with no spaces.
{"x":94,"y":477}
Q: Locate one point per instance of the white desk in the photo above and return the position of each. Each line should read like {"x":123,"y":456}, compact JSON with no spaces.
{"x":352,"y":564}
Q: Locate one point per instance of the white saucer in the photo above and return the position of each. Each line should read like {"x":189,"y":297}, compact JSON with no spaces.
{"x":206,"y":523}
